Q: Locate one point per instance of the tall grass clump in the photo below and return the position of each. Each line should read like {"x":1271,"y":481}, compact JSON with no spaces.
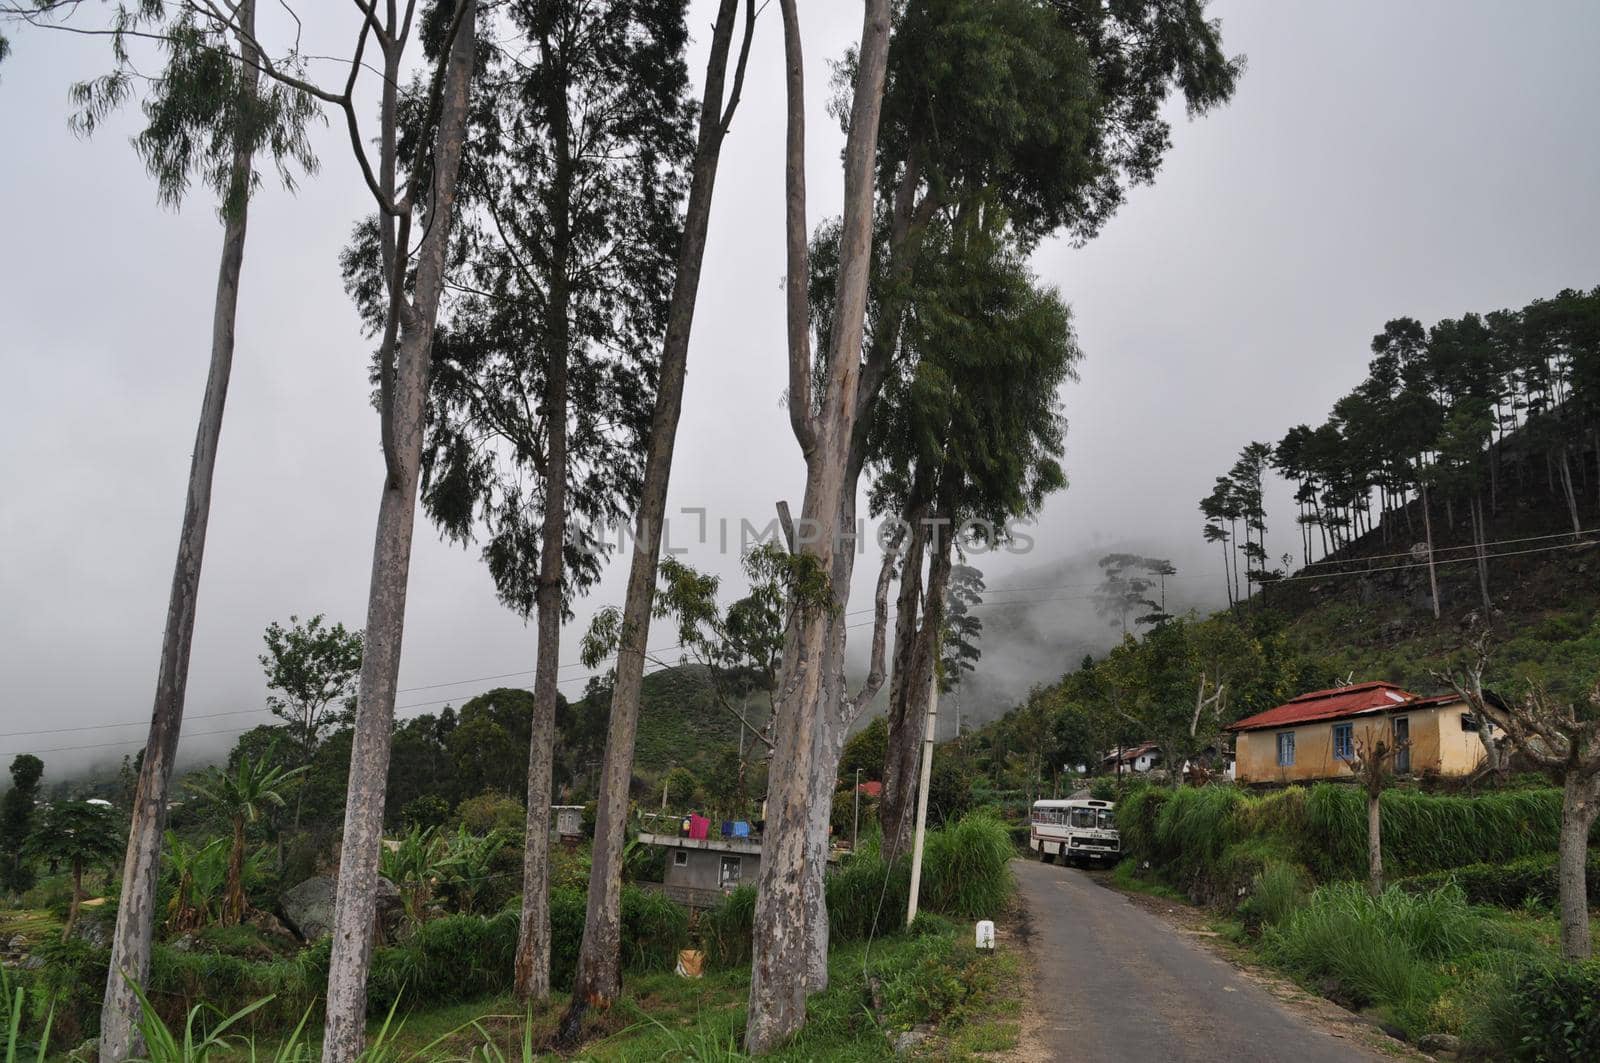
{"x":867,"y":895}
{"x":1277,"y":891}
{"x":727,"y":929}
{"x":966,"y":868}
{"x":654,"y":929}
{"x":1195,"y":826}
{"x":1385,"y":951}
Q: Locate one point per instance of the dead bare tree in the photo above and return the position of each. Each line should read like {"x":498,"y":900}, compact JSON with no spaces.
{"x":1566,"y":746}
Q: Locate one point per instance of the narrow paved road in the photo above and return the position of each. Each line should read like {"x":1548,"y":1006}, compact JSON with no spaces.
{"x":1116,"y":983}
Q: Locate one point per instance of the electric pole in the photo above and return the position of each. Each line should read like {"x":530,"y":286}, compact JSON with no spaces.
{"x":922,"y":788}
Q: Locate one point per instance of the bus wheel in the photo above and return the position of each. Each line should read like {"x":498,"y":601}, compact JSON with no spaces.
{"x":1045,"y":855}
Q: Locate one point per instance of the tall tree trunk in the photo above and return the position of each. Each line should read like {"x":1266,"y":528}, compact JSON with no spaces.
{"x":1479,"y":536}
{"x":403,"y":423}
{"x":780,"y":943}
{"x":75,"y":904}
{"x":1572,"y":498}
{"x":920,"y":665}
{"x":141,"y":868}
{"x":1433,"y":573}
{"x":1374,"y":844}
{"x":900,"y":751}
{"x":1579,"y":803}
{"x":598,"y":980}
{"x":233,"y":894}
{"x":533,"y":939}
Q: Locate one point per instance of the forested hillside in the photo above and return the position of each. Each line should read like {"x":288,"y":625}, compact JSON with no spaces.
{"x":1455,"y":490}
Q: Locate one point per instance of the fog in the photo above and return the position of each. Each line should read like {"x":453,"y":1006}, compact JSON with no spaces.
{"x":1379,"y":160}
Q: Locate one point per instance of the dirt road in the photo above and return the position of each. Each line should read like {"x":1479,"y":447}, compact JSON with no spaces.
{"x":1116,"y":983}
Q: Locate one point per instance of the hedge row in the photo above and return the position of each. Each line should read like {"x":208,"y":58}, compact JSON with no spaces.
{"x":1212,"y":840}
{"x":447,"y":960}
{"x":1509,"y":885}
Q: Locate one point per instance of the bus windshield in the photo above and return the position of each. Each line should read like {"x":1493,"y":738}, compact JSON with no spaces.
{"x":1093,"y":819}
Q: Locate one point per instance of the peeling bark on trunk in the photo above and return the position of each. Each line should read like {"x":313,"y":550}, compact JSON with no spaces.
{"x":402,"y":423}
{"x":598,"y":980}
{"x":781,"y":943}
{"x":1580,"y":801}
{"x":141,"y":869}
{"x":1374,"y":845}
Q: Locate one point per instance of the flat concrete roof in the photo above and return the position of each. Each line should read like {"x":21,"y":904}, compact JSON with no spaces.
{"x":717,"y":844}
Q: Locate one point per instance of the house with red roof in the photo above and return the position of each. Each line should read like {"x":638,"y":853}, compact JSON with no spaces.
{"x":1315,"y":735}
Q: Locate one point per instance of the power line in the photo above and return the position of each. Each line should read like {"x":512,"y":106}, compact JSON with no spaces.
{"x":1440,"y":549}
{"x":868,"y":623}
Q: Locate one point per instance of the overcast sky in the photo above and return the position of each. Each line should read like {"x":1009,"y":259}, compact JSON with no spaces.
{"x":1379,"y":159}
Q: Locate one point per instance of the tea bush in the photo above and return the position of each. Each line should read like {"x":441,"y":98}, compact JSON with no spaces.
{"x":1510,"y":885}
{"x":1554,"y":1014}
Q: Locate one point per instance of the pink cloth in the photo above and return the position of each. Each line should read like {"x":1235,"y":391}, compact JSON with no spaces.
{"x":699,"y":826}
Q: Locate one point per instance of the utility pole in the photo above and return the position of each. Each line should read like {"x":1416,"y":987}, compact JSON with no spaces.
{"x":922,"y":788}
{"x":855,"y":828}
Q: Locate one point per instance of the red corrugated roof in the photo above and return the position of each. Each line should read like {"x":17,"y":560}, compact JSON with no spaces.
{"x":1329,"y":705}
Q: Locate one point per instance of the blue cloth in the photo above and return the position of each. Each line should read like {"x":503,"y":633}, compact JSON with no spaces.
{"x":727,"y":828}
{"x":741,"y":829}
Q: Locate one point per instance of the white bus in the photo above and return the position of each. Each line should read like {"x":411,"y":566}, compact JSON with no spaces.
{"x":1076,"y":829}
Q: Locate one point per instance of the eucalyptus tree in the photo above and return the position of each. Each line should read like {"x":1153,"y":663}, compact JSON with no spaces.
{"x":209,"y":116}
{"x":967,"y":440}
{"x":598,"y":979}
{"x":1052,"y":110}
{"x":543,"y":379}
{"x":221,"y":62}
{"x":822,"y":400}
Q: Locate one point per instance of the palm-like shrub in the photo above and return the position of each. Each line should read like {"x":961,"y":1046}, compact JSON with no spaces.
{"x":198,"y":875}
{"x":415,"y":866}
{"x":243,"y":795}
{"x":468,"y":865}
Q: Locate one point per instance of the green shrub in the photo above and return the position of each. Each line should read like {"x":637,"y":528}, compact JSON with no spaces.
{"x":1532,"y":879}
{"x":1554,"y":1014}
{"x":1278,"y":890}
{"x":568,"y":910}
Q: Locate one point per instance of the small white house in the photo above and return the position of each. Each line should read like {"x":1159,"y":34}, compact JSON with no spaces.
{"x":1139,"y":758}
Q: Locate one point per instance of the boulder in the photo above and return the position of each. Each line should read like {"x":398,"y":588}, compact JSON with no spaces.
{"x":1440,"y":1044}
{"x":308,"y":907}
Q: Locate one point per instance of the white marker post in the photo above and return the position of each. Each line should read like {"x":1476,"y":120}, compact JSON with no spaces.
{"x":922,"y":789}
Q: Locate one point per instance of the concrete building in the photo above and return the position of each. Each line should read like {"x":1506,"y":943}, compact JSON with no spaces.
{"x":700,"y":871}
{"x":1314,"y":736}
